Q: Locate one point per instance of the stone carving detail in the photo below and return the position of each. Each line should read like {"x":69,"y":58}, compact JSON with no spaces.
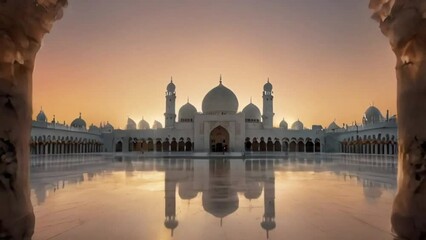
{"x":404,"y":23}
{"x":23,"y":23}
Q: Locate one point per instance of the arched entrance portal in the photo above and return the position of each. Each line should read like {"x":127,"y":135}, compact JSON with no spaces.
{"x":219,"y":140}
{"x":119,"y":146}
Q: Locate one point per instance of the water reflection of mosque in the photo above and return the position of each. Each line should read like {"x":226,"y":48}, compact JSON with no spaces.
{"x":219,"y":182}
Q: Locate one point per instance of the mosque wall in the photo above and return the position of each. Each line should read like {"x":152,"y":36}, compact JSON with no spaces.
{"x":205,"y":124}
{"x":377,"y":138}
{"x":220,"y":128}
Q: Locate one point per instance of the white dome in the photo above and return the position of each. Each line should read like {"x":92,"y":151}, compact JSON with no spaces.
{"x":107,"y":127}
{"x":267,"y":87}
{"x":41,"y":117}
{"x":94,"y":129}
{"x":372,"y":115}
{"x":220,"y":100}
{"x":187,"y":113}
{"x":131,"y":124}
{"x":333,"y":126}
{"x":143,"y":125}
{"x":157,"y":125}
{"x":298,"y":125}
{"x":283,"y":124}
{"x":78,"y":123}
{"x":171,"y":87}
{"x":252,"y":113}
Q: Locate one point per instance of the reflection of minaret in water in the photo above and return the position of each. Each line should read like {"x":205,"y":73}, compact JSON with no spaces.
{"x":268,"y":221}
{"x":170,"y":202}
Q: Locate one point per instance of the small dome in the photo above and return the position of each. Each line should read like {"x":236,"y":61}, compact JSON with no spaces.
{"x":283,"y":124}
{"x":267,"y":87}
{"x":372,"y":115}
{"x":143,"y":125}
{"x":157,"y":125}
{"x":219,"y":203}
{"x":333,"y":126}
{"x":186,"y":190}
{"x":252,"y":113}
{"x":187,"y":113}
{"x":94,"y":129}
{"x":220,"y":100}
{"x":171,"y":87}
{"x":78,"y":123}
{"x":298,"y":125}
{"x":254,"y":190}
{"x":131,"y":124}
{"x":41,"y":117}
{"x":107,"y":127}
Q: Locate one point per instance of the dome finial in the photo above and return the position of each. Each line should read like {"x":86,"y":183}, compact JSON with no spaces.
{"x":220,"y":79}
{"x":171,"y":79}
{"x":80,"y":115}
{"x":187,"y":99}
{"x":251,"y":99}
{"x":268,"y":79}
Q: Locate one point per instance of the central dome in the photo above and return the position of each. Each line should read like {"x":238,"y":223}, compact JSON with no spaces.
{"x":220,"y":100}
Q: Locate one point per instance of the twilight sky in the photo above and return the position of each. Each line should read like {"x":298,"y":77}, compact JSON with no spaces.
{"x":111,"y":59}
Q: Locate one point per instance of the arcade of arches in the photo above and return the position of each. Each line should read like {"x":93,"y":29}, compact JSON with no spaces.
{"x":219,"y":136}
{"x":283,"y":145}
{"x":387,"y":145}
{"x":51,"y":145}
{"x":157,"y":145}
{"x":219,"y":140}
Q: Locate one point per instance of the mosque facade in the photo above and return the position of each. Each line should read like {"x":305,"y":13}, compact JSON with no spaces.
{"x":218,"y":127}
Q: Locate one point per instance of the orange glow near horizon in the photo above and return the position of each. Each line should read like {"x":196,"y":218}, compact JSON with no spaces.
{"x":115,"y":60}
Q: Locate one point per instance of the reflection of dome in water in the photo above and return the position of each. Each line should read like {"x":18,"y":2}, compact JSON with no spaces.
{"x":220,"y":201}
{"x":254,"y":190}
{"x":186,"y":190}
{"x":220,"y":100}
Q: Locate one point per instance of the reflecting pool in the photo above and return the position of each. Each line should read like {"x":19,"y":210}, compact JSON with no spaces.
{"x":293,"y":197}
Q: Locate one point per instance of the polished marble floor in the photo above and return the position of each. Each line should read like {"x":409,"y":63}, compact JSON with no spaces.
{"x":291,"y":197}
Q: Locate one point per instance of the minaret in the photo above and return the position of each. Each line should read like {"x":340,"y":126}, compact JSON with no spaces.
{"x":170,"y":203}
{"x":170,"y":115}
{"x":268,"y":220}
{"x":268,"y":106}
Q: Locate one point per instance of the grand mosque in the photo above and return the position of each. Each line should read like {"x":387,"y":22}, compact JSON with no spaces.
{"x":219,"y":127}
